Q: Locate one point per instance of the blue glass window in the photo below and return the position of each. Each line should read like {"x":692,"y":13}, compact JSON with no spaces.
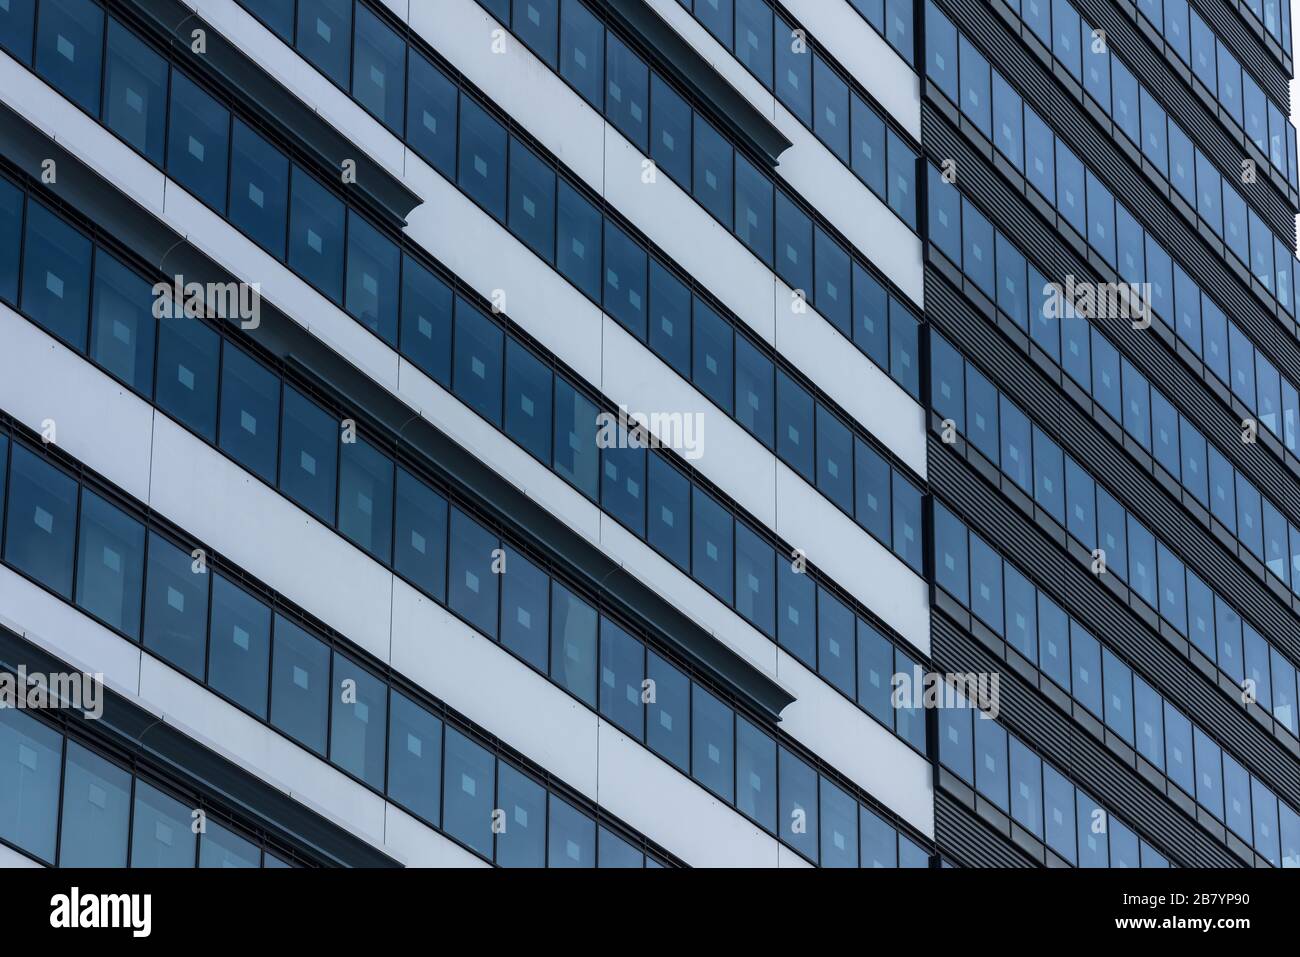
{"x":755,"y":774}
{"x":622,"y":673}
{"x":576,"y":457}
{"x":379,"y":67}
{"x":324,"y":37}
{"x":110,"y":565}
{"x":41,"y":529}
{"x":582,"y":51}
{"x":536,"y":22}
{"x":308,"y":455}
{"x":670,"y":131}
{"x":528,"y":416}
{"x":372,"y":286}
{"x":712,"y":743}
{"x":711,"y":546}
{"x":431,"y":114}
{"x":525,"y":609}
{"x":479,"y":363}
{"x":366,"y":498}
{"x":578,"y":229}
{"x":474,"y":573}
{"x":573,"y":645}
{"x":572,"y":836}
{"x":198,"y":142}
{"x":521,"y":838}
{"x":421,"y":548}
{"x":793,"y":73}
{"x":755,"y":580}
{"x":122,"y":324}
{"x":56,"y":276}
{"x":300,"y":685}
{"x":415,"y":758}
{"x":188,"y":358}
{"x":830,"y":108}
{"x":532,"y":200}
{"x":625,"y":280}
{"x":176,"y":608}
{"x":668,"y":517}
{"x":627,"y":91}
{"x":259,"y":189}
{"x":468,"y":792}
{"x":96,"y":811}
{"x":240,"y":643}
{"x":796,"y":614}
{"x":426,"y":321}
{"x":69,"y":45}
{"x":250,"y":412}
{"x":135,"y":94}
{"x":161,"y":830}
{"x":798,"y":804}
{"x":358,"y":722}
{"x":482,"y":158}
{"x":668,"y":713}
{"x":316,"y":234}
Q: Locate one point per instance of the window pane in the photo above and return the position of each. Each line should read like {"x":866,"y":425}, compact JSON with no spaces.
{"x":316,"y":234}
{"x":754,"y":391}
{"x":668,"y":499}
{"x":198,"y":144}
{"x":240,"y":652}
{"x":573,"y":643}
{"x":421,"y":552}
{"x":622,"y":672}
{"x":372,"y":286}
{"x":221,"y":847}
{"x":668,"y":714}
{"x":713,"y":355}
{"x":415,"y":758}
{"x":521,"y":837}
{"x":426,"y":321}
{"x":96,"y":811}
{"x":176,"y":608}
{"x":324,"y":35}
{"x":161,"y":831}
{"x":299,"y":694}
{"x":110,"y":565}
{"x":468,"y":792}
{"x":31,"y":756}
{"x":532,"y":200}
{"x":670,"y":130}
{"x":711,"y":544}
{"x":41,"y":528}
{"x":755,"y":774}
{"x":366,"y":498}
{"x":250,"y":410}
{"x":794,"y":426}
{"x":576,"y":456}
{"x":798,"y":819}
{"x":572,"y":836}
{"x":625,"y":280}
{"x":56,"y":276}
{"x":839,"y":827}
{"x":525,"y":609}
{"x":616,"y":852}
{"x":379,"y":69}
{"x":358,"y":721}
{"x":755,"y":580}
{"x":626,"y":91}
{"x":122,"y":324}
{"x":578,"y":251}
{"x":259,"y":189}
{"x":875,"y":673}
{"x":135,"y":100}
{"x":69,"y":43}
{"x":713,"y":745}
{"x":16,"y":22}
{"x":879,"y":841}
{"x":477,"y":376}
{"x":188,"y":357}
{"x":582,"y":51}
{"x":431,"y":115}
{"x":474,"y":573}
{"x":835,"y":642}
{"x":308,"y":455}
{"x":754,"y":209}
